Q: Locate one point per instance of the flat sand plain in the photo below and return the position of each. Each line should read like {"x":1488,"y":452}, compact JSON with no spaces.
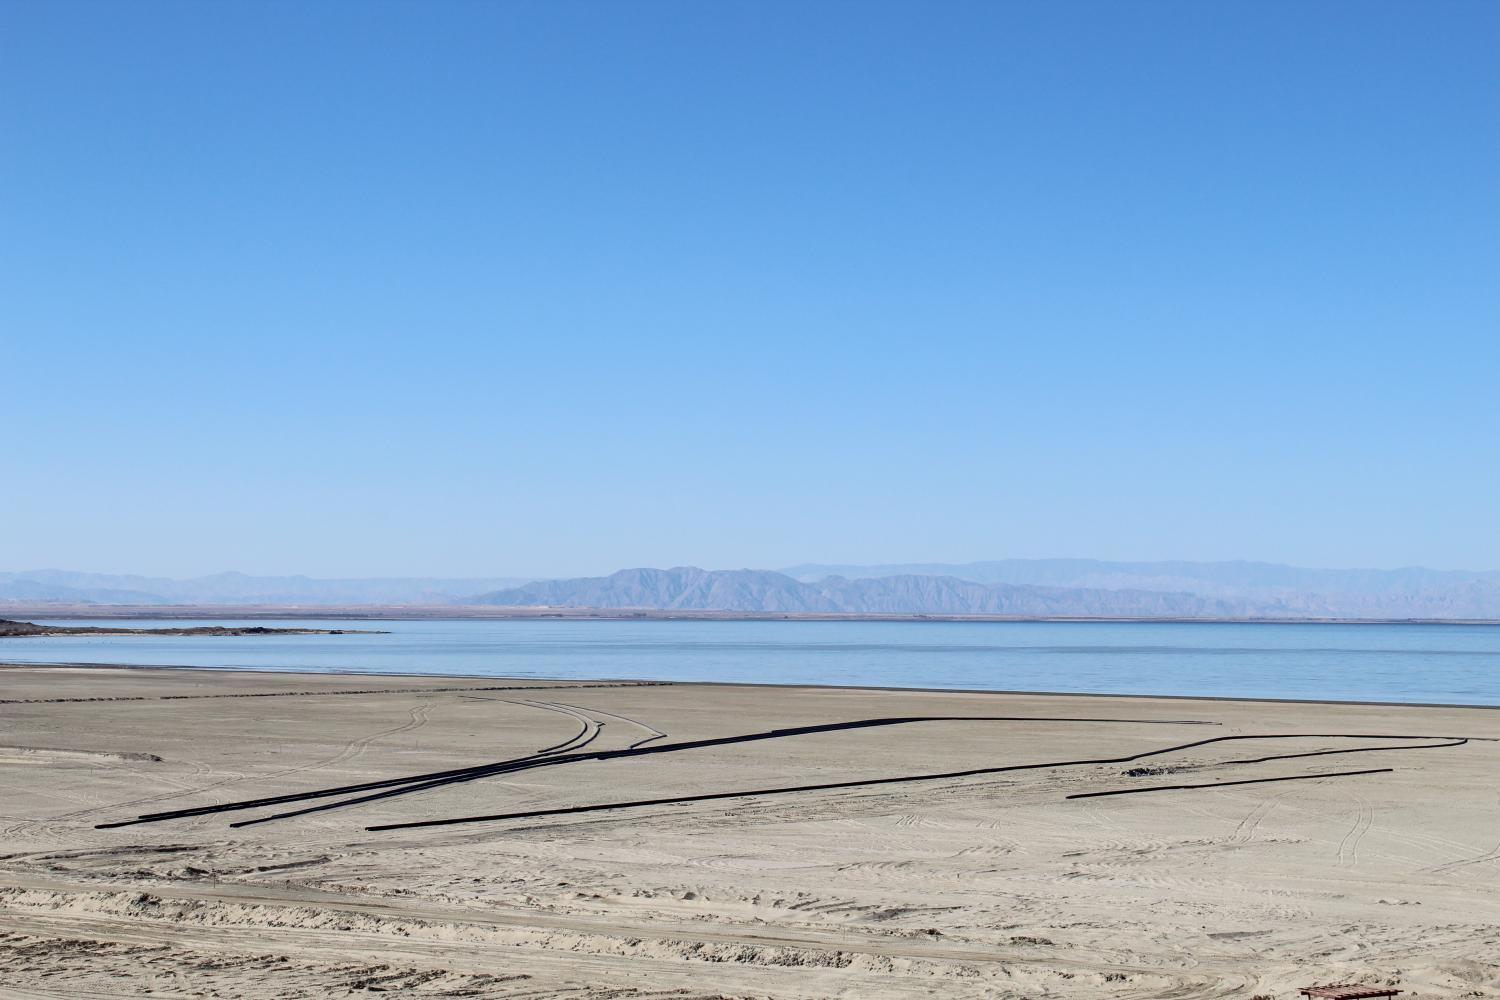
{"x":986,"y":885}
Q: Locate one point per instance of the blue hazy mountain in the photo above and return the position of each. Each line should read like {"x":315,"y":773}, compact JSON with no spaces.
{"x":1042,"y":587}
{"x":1411,"y":591}
{"x":690,"y":588}
{"x":1238,"y":577}
{"x":237,"y":588}
{"x":1035,"y":587}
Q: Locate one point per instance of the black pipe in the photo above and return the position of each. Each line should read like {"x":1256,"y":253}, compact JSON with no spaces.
{"x":1223,"y":784}
{"x":869,"y":782}
{"x":483,"y":770}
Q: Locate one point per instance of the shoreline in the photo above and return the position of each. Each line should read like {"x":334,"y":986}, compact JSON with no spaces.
{"x":640,"y":681}
{"x":461,"y":612}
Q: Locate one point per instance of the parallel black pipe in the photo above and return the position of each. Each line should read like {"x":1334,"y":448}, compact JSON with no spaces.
{"x":394,"y":792}
{"x":483,"y":770}
{"x":870,"y":782}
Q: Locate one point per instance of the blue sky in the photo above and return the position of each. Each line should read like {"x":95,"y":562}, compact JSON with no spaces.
{"x":553,"y":288}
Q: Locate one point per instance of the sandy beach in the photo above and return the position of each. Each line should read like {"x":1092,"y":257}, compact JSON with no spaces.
{"x":976,"y":875}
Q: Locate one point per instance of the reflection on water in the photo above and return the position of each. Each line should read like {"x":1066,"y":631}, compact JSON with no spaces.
{"x":1432,"y":663}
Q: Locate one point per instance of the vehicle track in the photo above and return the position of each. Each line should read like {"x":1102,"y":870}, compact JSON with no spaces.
{"x":277,"y":914}
{"x":1493,"y":854}
{"x":1245,"y":831}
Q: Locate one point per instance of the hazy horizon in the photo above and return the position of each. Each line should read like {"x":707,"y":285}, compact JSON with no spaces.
{"x":505,"y":573}
{"x":1043,"y":587}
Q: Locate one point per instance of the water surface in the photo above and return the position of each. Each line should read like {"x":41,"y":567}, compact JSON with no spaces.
{"x":1428,"y":663}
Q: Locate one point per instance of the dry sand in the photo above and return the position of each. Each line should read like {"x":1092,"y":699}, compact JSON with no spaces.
{"x":983,"y":886}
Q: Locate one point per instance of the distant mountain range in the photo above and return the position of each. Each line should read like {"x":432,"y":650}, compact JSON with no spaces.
{"x":1229,"y":578}
{"x":237,"y":588}
{"x":690,"y":588}
{"x":1269,"y":588}
{"x":1044,"y":588}
{"x":1026,"y":587}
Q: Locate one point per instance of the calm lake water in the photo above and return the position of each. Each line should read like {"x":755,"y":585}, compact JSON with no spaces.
{"x":1431,"y":663}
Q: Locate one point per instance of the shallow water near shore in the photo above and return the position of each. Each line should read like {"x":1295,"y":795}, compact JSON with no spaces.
{"x":1457,"y":664}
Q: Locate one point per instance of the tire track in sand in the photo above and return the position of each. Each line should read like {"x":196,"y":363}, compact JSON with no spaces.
{"x":1364,"y":818}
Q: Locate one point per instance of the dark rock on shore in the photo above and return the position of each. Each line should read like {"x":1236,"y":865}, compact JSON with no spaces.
{"x":13,"y":629}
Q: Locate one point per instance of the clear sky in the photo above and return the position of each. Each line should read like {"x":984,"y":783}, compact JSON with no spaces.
{"x":463,"y":288}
